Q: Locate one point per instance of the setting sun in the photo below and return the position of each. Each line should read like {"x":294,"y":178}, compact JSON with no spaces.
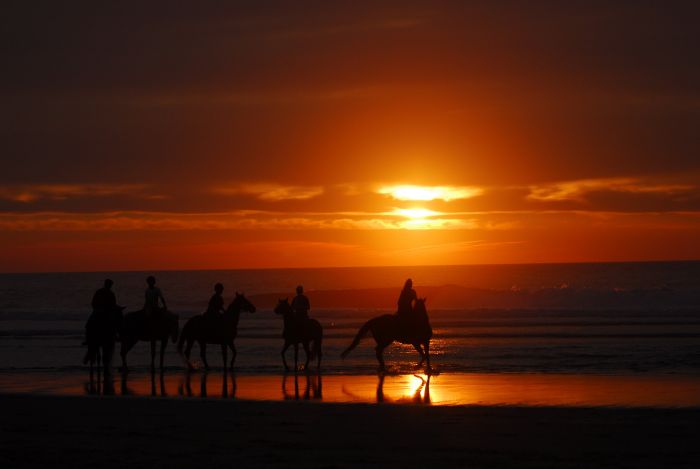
{"x":427,"y":193}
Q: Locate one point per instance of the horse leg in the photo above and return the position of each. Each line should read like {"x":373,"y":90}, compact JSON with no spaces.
{"x":124,"y":349}
{"x":203,"y":354}
{"x":427,"y":354}
{"x":224,"y":353}
{"x":105,"y":359}
{"x":308,"y":355}
{"x":296,"y":356}
{"x":317,"y":344}
{"x":163,"y":344}
{"x":419,"y":349}
{"x":284,"y":360}
{"x":233,"y":353}
{"x":188,"y":349}
{"x":379,"y":352}
{"x":153,"y":355}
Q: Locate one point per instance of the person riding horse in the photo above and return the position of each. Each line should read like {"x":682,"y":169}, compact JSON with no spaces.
{"x":104,"y":321}
{"x":216,"y":303}
{"x":406,"y":301}
{"x":301,"y":307}
{"x":153,"y":297}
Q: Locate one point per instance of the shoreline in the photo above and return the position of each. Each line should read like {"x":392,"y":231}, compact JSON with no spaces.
{"x":68,"y":431}
{"x":406,"y":387}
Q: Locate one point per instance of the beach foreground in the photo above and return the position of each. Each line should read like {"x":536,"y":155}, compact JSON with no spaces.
{"x":65,"y":431}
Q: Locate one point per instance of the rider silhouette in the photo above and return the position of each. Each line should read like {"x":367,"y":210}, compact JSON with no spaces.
{"x":105,"y":313}
{"x":153,"y":295}
{"x":104,"y":301}
{"x":405,"y":306}
{"x":301,"y":305}
{"x":216,"y":303}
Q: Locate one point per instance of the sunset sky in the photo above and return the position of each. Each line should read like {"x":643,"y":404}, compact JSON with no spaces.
{"x":169,"y":135}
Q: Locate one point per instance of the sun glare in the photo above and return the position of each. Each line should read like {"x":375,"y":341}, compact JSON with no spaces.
{"x":421,"y":218}
{"x":427,"y":193}
{"x":415,"y":213}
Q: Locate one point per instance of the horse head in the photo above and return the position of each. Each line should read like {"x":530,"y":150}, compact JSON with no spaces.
{"x":240,"y":303}
{"x":283,"y":307}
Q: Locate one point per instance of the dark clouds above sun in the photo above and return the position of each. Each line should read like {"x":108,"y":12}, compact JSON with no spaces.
{"x":266,"y":132}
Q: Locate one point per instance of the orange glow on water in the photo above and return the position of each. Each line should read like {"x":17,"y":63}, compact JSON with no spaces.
{"x":445,"y":389}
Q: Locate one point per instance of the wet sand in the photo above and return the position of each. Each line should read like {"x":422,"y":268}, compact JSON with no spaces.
{"x":66,"y":431}
{"x":486,"y":389}
{"x":178,"y":419}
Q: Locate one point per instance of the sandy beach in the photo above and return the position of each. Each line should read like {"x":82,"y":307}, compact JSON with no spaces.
{"x":40,"y":431}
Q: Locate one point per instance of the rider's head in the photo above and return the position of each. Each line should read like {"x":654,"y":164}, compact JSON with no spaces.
{"x":218,"y":288}
{"x":151,"y":280}
{"x":408,"y":285}
{"x":300,"y":290}
{"x":108,"y":283}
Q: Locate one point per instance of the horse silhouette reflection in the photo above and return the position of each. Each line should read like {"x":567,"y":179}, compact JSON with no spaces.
{"x":185,"y":387}
{"x":100,"y":384}
{"x":420,"y":395}
{"x":313,"y":389}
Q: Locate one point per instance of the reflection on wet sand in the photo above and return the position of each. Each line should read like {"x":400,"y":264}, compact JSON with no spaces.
{"x":100,"y":384}
{"x":443,"y":389}
{"x":313,"y":388}
{"x":184,"y":387}
{"x":420,"y":395}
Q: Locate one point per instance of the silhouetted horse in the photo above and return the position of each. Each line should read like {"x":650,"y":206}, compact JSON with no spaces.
{"x":100,"y":332}
{"x":294,"y":333}
{"x":221,"y":330}
{"x":389,"y":328}
{"x":138,"y":326}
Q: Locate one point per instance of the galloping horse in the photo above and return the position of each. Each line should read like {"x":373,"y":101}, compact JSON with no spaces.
{"x":100,"y":330}
{"x":295,"y":333}
{"x":220,"y":330}
{"x":389,"y":328}
{"x":138,"y":326}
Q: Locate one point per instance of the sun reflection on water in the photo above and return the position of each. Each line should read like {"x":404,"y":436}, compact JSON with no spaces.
{"x":408,"y":388}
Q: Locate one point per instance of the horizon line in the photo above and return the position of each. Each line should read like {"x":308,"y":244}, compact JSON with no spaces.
{"x":654,"y":261}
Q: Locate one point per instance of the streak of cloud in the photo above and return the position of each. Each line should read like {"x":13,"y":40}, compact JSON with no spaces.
{"x":34,"y":192}
{"x":577,"y":190}
{"x":272,"y":192}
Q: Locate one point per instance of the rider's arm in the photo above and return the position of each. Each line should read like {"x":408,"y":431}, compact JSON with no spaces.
{"x":162,"y":299}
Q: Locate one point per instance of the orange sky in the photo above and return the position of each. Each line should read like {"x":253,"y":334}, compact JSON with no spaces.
{"x":393,"y":133}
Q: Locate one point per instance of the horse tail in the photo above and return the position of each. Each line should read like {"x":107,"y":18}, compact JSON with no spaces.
{"x":360,"y":334}
{"x":316,"y":350}
{"x":184,"y":334}
{"x":176,"y":328}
